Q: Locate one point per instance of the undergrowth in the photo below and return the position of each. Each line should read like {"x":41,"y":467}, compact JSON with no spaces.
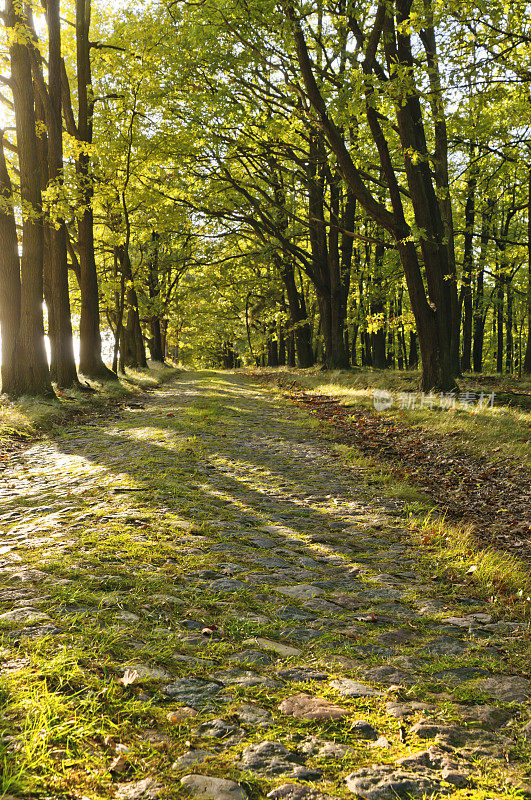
{"x":26,"y":417}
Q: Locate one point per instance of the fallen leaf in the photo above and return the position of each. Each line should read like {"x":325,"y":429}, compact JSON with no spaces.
{"x":130,"y":676}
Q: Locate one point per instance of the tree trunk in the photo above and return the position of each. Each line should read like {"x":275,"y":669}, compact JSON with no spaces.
{"x":479,"y":302}
{"x":354,"y":344}
{"x":297,"y":309}
{"x":33,"y":373}
{"x":527,"y":359}
{"x":366,"y":358}
{"x":155,"y":342}
{"x":468,"y":264}
{"x":228,"y":356}
{"x":325,"y":257}
{"x":413,"y":360}
{"x":499,"y":293}
{"x":337,"y":281}
{"x":120,"y":305}
{"x":402,"y":355}
{"x":391,"y":350}
{"x":64,"y":365}
{"x":9,"y":282}
{"x":133,"y":354}
{"x":42,"y":149}
{"x":272,"y":346}
{"x":281,"y":346}
{"x":509,"y":340}
{"x":90,"y":360}
{"x":377,"y":309}
{"x":436,"y":314}
{"x":290,"y":346}
{"x":440,"y":166}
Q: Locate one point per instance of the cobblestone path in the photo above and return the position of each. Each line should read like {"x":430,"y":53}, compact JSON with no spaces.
{"x":200,"y":598}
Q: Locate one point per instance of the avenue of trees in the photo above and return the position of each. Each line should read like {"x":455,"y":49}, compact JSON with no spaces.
{"x":264,"y":182}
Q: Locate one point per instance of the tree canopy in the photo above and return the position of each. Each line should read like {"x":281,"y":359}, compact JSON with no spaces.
{"x":265,"y":183}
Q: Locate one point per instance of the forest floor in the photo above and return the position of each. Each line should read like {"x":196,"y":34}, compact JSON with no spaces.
{"x":207,"y":594}
{"x":469,"y":458}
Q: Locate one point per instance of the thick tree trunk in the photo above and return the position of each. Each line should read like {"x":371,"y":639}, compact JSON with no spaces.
{"x":155,"y":342}
{"x":379,"y":357}
{"x":272,"y":346}
{"x":440,"y":166}
{"x":33,"y":374}
{"x":64,"y":365}
{"x":9,"y":282}
{"x":134,"y":353}
{"x":331,"y":317}
{"x":290,"y":348}
{"x":325,"y":259}
{"x":228,"y":356}
{"x":527,"y":359}
{"x":297,"y":309}
{"x":42,"y":149}
{"x":90,"y":360}
{"x":438,"y":364}
{"x":336,"y":355}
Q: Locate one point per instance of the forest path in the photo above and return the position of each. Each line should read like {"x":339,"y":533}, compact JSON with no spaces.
{"x":282,"y":637}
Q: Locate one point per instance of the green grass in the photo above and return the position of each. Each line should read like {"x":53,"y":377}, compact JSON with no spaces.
{"x":497,"y":433}
{"x":64,"y":702}
{"x":449,"y":551}
{"x":502,"y":578}
{"x":27,"y":417}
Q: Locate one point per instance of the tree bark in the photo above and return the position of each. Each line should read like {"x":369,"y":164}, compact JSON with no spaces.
{"x":325,"y":256}
{"x":90,"y":359}
{"x":527,"y":358}
{"x":480,"y":312}
{"x":377,"y":309}
{"x":468,"y":265}
{"x":413,"y":360}
{"x":499,"y":303}
{"x":509,"y":339}
{"x":33,"y":373}
{"x":9,"y":282}
{"x":435,"y":315}
{"x":63,"y":365}
{"x":155,"y":342}
{"x":298,"y":318}
{"x":132,"y":350}
{"x":281,"y":345}
{"x":272,"y":346}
